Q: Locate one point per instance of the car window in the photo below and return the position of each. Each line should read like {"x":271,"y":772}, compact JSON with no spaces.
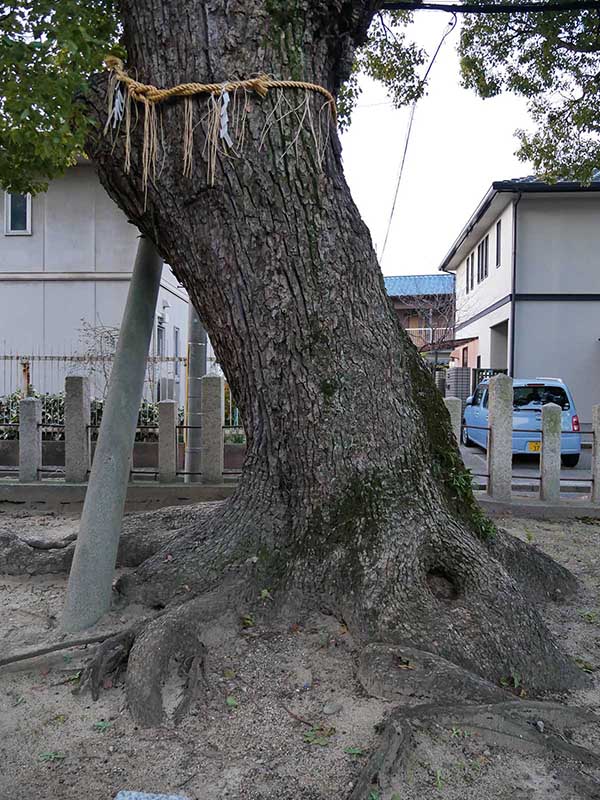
{"x":478,"y":395}
{"x":538,"y":395}
{"x":486,"y":398}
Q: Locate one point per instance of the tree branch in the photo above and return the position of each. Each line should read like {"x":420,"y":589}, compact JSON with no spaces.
{"x":494,"y":8}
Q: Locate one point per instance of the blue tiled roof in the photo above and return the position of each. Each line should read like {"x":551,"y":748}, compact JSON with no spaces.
{"x":414,"y":285}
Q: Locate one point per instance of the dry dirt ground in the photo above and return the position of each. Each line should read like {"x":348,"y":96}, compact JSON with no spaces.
{"x":282,"y":717}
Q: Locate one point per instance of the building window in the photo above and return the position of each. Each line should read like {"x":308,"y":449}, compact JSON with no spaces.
{"x":160,"y":338}
{"x":471,"y":270}
{"x":467,"y":266}
{"x":483,"y":259}
{"x":17,"y":214}
{"x":465,"y":356}
{"x":176,"y":350}
{"x":498,"y":243}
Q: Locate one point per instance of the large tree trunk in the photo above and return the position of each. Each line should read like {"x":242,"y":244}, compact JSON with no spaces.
{"x":353,"y":493}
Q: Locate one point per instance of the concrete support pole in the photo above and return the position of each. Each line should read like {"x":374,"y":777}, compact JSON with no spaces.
{"x":30,"y":439}
{"x":90,"y":582}
{"x":213,"y":417}
{"x":550,"y":457}
{"x":454,"y":406}
{"x":596,"y":454}
{"x":499,"y":454}
{"x":77,"y":421}
{"x":167,"y":441}
{"x":196,"y":370}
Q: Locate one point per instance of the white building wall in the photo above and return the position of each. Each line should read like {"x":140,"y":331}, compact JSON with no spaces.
{"x":481,"y":330}
{"x":560,"y":340}
{"x":498,"y":282}
{"x":491,"y":290}
{"x":559,"y":253}
{"x":74,"y":266}
{"x":558,"y":244}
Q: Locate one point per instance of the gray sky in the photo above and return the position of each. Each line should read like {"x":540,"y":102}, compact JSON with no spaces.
{"x":459,"y":145}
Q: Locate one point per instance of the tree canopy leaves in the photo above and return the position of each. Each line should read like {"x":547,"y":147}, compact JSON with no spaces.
{"x":389,"y":58}
{"x":554,"y":61}
{"x":48,"y":48}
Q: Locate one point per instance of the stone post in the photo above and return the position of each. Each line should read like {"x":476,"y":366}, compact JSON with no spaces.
{"x":89,"y":590}
{"x":196,"y":369}
{"x":596,"y":454}
{"x":499,"y":454}
{"x":77,"y":421}
{"x":213,"y":417}
{"x":167,"y":441}
{"x":454,"y":406}
{"x":30,"y":439}
{"x":550,"y":457}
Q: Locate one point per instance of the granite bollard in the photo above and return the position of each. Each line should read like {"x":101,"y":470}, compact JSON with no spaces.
{"x":550,"y":457}
{"x":499,"y":452}
{"x":167,"y":441}
{"x":454,"y":406}
{"x":30,"y":439}
{"x":77,"y":422}
{"x":213,"y":413}
{"x":596,"y":454}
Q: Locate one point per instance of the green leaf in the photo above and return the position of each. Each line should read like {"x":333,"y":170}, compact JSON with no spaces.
{"x":586,"y":666}
{"x":51,"y":757}
{"x":231,"y":702}
{"x":353,"y":751}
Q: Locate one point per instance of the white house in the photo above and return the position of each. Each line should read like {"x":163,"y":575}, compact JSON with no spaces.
{"x":65,"y":256}
{"x":527,"y":266}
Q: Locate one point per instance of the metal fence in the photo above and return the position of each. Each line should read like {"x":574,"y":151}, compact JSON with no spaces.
{"x":479,"y":374}
{"x":43,"y":375}
{"x":428,"y":336}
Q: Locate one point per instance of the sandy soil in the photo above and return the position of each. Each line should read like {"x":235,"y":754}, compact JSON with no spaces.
{"x":244,"y":738}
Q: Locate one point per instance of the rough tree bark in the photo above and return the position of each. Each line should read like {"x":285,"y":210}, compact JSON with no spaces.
{"x":352,"y":495}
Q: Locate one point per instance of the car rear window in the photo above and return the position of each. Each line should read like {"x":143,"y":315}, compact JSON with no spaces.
{"x":536,"y":396}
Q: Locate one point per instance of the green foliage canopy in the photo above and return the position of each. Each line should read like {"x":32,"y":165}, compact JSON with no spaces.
{"x":554,"y":61}
{"x":48,"y":48}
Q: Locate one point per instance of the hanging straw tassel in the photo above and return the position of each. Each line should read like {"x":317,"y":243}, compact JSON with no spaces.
{"x":127,"y":133}
{"x":188,"y":137}
{"x":150,"y":144}
{"x":221,"y":121}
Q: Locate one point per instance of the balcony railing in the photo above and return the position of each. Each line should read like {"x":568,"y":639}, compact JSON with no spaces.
{"x":428,"y":336}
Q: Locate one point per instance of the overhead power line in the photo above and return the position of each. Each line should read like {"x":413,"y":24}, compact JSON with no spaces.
{"x":411,"y":118}
{"x":494,"y":8}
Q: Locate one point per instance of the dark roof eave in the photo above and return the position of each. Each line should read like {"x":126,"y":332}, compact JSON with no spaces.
{"x":512,"y":187}
{"x":524,"y":187}
{"x":475,"y":217}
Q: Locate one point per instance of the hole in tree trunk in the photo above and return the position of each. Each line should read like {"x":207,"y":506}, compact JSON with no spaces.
{"x":442,"y":585}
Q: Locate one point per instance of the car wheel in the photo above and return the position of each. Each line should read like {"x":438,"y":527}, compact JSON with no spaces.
{"x":464,"y":436}
{"x":570,"y":460}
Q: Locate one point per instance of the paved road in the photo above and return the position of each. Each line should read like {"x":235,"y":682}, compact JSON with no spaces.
{"x":526,"y":468}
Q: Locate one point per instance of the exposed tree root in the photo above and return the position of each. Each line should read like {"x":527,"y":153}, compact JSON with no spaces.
{"x":525,"y":727}
{"x":439,"y":592}
{"x":43,"y":650}
{"x":109,"y":661}
{"x":143,"y":535}
{"x":21,"y":557}
{"x":413,"y":677}
{"x":538,"y":575}
{"x":173,"y":641}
